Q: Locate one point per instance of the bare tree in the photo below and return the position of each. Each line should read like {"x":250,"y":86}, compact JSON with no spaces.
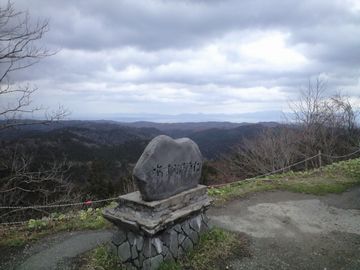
{"x":346,"y":119}
{"x":326,"y":123}
{"x":320,"y":123}
{"x":272,"y":149}
{"x":19,"y":49}
{"x":22,"y":183}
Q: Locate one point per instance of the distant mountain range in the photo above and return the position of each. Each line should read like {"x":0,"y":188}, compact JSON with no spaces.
{"x":213,"y":138}
{"x":251,"y":117}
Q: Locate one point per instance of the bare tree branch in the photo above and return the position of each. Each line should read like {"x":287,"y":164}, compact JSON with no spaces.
{"x":22,"y":182}
{"x":20,"y":49}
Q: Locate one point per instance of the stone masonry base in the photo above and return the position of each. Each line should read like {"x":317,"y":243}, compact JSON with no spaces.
{"x":137,"y":251}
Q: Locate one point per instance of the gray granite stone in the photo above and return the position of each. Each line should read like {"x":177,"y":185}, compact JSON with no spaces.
{"x":170,"y":240}
{"x":167,"y":167}
{"x":134,"y":252}
{"x":194,"y":236}
{"x":181,"y":251}
{"x":124,"y":252}
{"x":158,"y":245}
{"x":129,"y":266}
{"x":113,"y":249}
{"x":181,"y":238}
{"x":205,"y":219}
{"x":119,"y":237}
{"x":177,"y":228}
{"x":147,"y":247}
{"x":195,"y":223}
{"x":156,"y":261}
{"x":131,"y":238}
{"x":136,"y":262}
{"x":165,"y":250}
{"x":186,"y":228}
{"x":204,"y":227}
{"x":165,"y":238}
{"x":153,"y":251}
{"x":146,"y":265}
{"x":139,"y":243}
{"x":174,"y":243}
{"x":167,"y":254}
{"x":141,"y":258}
{"x":187,"y":244}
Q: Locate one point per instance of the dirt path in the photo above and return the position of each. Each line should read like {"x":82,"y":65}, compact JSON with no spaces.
{"x":55,"y":252}
{"x":295,"y":231}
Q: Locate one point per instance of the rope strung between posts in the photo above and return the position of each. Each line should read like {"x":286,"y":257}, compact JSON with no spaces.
{"x":14,"y":223}
{"x":285,"y":168}
{"x":267,"y":174}
{"x":344,"y":156}
{"x":58,"y":205}
{"x":19,"y":223}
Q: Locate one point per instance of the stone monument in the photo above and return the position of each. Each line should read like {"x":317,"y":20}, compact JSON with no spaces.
{"x":165,"y":218}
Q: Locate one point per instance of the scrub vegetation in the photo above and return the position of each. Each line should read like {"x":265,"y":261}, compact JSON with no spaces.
{"x":334,"y":178}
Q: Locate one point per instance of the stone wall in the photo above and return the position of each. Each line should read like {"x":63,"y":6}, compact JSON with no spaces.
{"x":138,"y":251}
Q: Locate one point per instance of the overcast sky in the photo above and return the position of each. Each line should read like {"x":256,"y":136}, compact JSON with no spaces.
{"x":179,"y":57}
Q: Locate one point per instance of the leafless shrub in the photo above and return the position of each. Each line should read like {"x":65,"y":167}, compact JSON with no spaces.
{"x":272,"y":149}
{"x":326,"y":124}
{"x":318,"y":124}
{"x":21,"y":185}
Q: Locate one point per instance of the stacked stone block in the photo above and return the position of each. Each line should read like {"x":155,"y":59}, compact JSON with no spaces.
{"x":138,"y":251}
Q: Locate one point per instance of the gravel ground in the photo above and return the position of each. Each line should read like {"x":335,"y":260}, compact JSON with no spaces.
{"x":295,"y":231}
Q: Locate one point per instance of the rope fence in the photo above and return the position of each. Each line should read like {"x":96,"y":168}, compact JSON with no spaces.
{"x":88,"y":203}
{"x":344,"y":156}
{"x":52,"y":206}
{"x":92,"y":202}
{"x":318,"y":155}
{"x":267,"y":174}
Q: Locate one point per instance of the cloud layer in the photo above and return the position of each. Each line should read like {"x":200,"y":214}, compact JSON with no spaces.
{"x":173,"y":57}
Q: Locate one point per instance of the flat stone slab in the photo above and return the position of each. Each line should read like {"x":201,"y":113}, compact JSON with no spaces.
{"x":149,"y":218}
{"x":134,"y":200}
{"x":167,"y":167}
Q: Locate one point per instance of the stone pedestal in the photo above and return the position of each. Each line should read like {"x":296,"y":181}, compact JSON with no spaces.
{"x":151,"y":232}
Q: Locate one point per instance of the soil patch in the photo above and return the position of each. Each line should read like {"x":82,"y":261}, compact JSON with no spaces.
{"x":295,"y":231}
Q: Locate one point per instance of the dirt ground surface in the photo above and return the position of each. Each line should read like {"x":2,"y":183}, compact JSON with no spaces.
{"x":285,"y":231}
{"x":295,"y":231}
{"x":53,"y":252}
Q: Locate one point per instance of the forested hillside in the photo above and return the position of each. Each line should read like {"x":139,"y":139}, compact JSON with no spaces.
{"x":95,"y":158}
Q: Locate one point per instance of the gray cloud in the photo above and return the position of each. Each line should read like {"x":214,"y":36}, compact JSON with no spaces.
{"x":159,"y":24}
{"x":194,"y":55}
